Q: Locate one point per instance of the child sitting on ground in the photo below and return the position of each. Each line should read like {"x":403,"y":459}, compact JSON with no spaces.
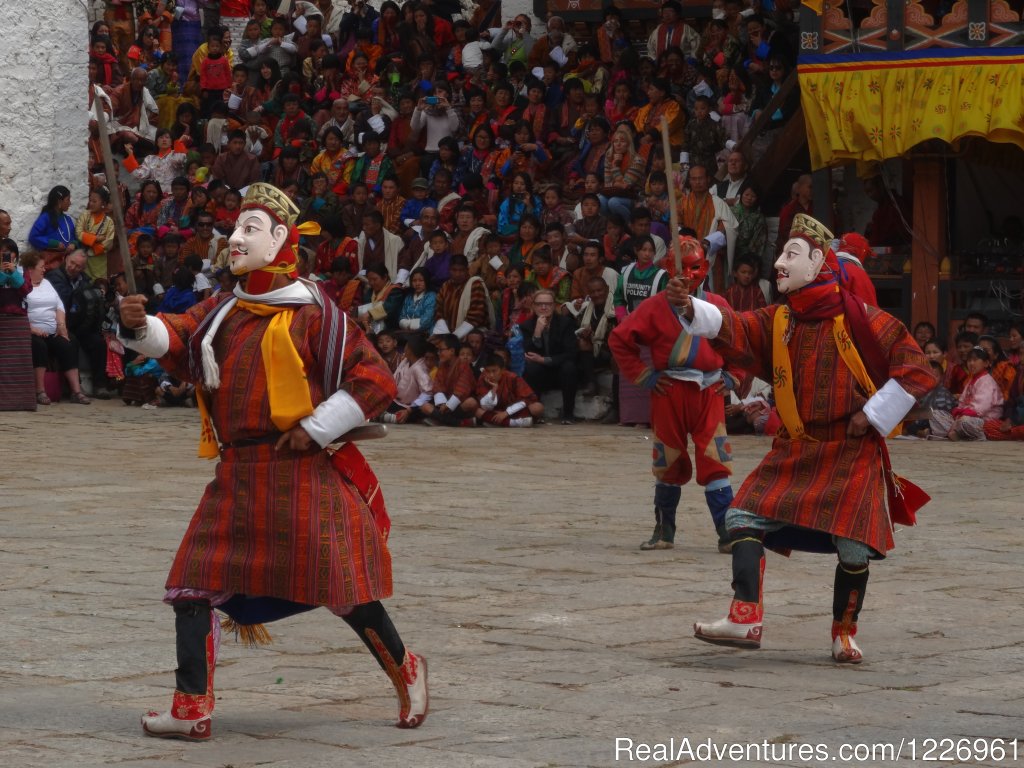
{"x":180,"y":295}
{"x":454,"y":404}
{"x":980,"y":401}
{"x":412,"y":378}
{"x":506,"y":400}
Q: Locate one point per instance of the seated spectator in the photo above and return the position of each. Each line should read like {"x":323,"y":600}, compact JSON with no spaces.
{"x":181,"y":295}
{"x":935,"y":351}
{"x":751,"y":228}
{"x":980,"y":401}
{"x":506,"y":400}
{"x":438,"y":257}
{"x":49,"y":329}
{"x":343,"y":286}
{"x":84,"y":308}
{"x":53,"y":232}
{"x":413,"y":208}
{"x":623,"y":172}
{"x":382,"y":302}
{"x":527,"y":241}
{"x":596,"y":322}
{"x":745,"y":293}
{"x":519,"y":205}
{"x":593,"y":266}
{"x":376,"y":245}
{"x":387,"y":347}
{"x":923,"y":333}
{"x":477,"y":350}
{"x":175,"y":393}
{"x":563,"y":255}
{"x":419,"y":306}
{"x":551,"y":352}
{"x":1000,"y":368}
{"x":591,"y":225}
{"x":412,"y":378}
{"x":958,"y":373}
{"x":550,"y":277}
{"x":734,"y":106}
{"x":939,"y":404}
{"x":705,"y":137}
{"x":453,"y":404}
{"x":201,"y":285}
{"x":236,"y":167}
{"x":462,"y":302}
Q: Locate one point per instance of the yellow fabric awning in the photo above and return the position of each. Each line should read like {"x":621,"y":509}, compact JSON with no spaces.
{"x":877,"y":106}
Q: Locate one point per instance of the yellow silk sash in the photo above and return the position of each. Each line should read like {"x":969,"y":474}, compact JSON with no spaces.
{"x":287,"y":387}
{"x":782,"y":374}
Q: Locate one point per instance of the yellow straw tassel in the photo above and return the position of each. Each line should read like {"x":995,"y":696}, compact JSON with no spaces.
{"x":253,"y":635}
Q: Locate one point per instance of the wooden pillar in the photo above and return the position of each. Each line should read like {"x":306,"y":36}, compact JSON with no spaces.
{"x":931,"y":247}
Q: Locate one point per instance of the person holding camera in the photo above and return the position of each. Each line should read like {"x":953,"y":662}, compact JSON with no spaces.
{"x":515,"y":41}
{"x":434,"y":112}
{"x":16,"y":393}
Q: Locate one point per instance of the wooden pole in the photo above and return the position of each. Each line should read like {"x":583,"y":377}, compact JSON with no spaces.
{"x":115,"y":194}
{"x":673,"y":212}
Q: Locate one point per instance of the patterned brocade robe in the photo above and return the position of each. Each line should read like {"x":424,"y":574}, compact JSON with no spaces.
{"x":832,"y":482}
{"x":282,"y":523}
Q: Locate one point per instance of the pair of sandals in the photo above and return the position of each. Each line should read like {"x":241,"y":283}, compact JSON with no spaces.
{"x":76,"y":397}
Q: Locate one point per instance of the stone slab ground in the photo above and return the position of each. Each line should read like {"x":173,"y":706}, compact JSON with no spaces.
{"x":517,"y":573}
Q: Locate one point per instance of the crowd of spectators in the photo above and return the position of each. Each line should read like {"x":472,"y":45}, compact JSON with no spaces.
{"x":492,"y":197}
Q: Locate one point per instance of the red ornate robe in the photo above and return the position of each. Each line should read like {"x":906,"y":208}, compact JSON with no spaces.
{"x":833,"y":482}
{"x":279,"y":523}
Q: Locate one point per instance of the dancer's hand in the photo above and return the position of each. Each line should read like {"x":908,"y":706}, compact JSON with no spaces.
{"x":296,"y":438}
{"x":859,"y":425}
{"x":679,"y":297}
{"x":133,"y":311}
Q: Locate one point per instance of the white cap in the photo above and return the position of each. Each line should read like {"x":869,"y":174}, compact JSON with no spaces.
{"x":684,"y":158}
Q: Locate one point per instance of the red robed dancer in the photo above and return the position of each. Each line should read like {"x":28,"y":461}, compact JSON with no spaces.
{"x":687,"y":383}
{"x":844,"y":377}
{"x":285,"y":526}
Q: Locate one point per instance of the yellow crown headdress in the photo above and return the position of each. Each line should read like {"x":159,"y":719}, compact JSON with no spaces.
{"x":811,"y":230}
{"x":271,"y":200}
{"x":282,"y":209}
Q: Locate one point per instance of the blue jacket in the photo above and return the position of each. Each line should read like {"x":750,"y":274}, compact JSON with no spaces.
{"x":46,"y":237}
{"x":423,"y":310}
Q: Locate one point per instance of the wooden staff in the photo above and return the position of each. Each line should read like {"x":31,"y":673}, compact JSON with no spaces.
{"x":673,"y":211}
{"x":115,"y":194}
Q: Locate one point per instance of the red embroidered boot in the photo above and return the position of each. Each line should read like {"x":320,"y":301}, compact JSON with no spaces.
{"x":413,"y":698}
{"x":198,"y":634}
{"x":742,"y":628}
{"x":847,"y":600}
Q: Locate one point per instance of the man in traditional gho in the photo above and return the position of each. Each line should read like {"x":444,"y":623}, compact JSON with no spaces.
{"x":844,"y":375}
{"x":687,"y":380}
{"x":286,"y":526}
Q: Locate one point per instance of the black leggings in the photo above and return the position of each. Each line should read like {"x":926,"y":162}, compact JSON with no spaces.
{"x":65,"y":350}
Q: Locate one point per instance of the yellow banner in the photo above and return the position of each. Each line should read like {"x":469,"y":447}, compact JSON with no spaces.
{"x":876,"y":107}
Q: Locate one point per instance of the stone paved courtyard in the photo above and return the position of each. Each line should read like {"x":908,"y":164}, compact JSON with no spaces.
{"x":517,"y":573}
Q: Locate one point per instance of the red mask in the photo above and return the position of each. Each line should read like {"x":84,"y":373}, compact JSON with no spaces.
{"x":695,"y":265}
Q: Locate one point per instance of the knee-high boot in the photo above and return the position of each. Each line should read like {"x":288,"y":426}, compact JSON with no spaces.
{"x":742,"y":628}
{"x":666,"y":501}
{"x":408,"y":671}
{"x":197,"y":638}
{"x":847,"y":600}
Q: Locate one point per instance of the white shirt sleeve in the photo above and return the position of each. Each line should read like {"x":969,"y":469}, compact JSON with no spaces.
{"x":151,"y":341}
{"x":886,"y":408}
{"x":707,"y":319}
{"x":333,"y":418}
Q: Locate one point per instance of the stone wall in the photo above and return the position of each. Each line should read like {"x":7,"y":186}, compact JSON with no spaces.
{"x":43,"y":89}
